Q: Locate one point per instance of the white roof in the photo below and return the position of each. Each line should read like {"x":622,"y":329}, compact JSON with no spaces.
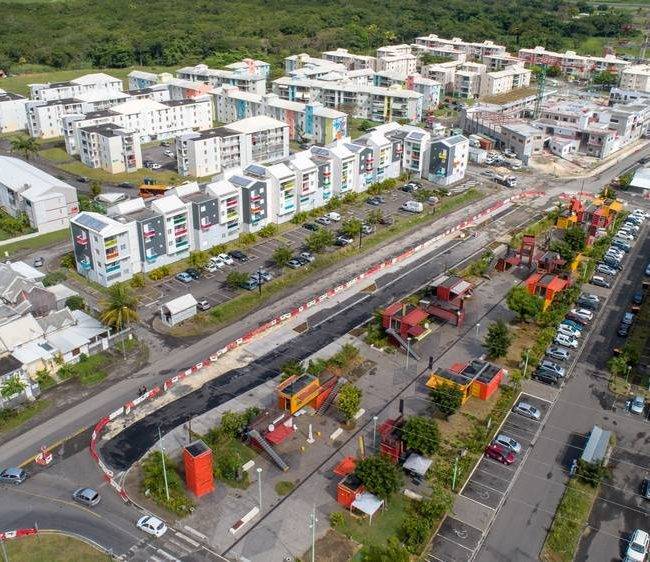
{"x":221,"y":187}
{"x":33,"y":351}
{"x":302,"y":161}
{"x":19,"y":176}
{"x":101,"y":95}
{"x":180,"y":304}
{"x":256,"y":124}
{"x":168,"y":204}
{"x":641,"y":178}
{"x":280,"y":171}
{"x":101,"y":224}
{"x":62,"y":292}
{"x":111,"y":198}
{"x":143,"y":74}
{"x":341,"y":151}
{"x":139,"y":105}
{"x":26,"y":270}
{"x":417,"y":464}
{"x":95,"y":78}
{"x":19,"y":332}
{"x":367,"y":503}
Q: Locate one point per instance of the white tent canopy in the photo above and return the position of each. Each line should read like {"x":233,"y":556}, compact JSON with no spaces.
{"x":417,"y":464}
{"x":367,"y":503}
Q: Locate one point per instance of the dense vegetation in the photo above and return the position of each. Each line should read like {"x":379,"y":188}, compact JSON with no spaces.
{"x":121,"y":33}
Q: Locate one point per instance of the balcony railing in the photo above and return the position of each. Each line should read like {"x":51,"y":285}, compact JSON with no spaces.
{"x":81,"y":239}
{"x":85,"y":264}
{"x":149,"y":233}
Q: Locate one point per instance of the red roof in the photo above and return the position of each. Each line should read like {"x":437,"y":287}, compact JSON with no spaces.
{"x":393,"y":309}
{"x":557,"y":284}
{"x":279,"y":434}
{"x":415,"y":316}
{"x":346,"y":466}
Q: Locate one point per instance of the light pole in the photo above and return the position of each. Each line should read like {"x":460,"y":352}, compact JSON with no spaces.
{"x":453,"y":480}
{"x":408,"y":352}
{"x":259,"y":279}
{"x":259,"y":486}
{"x":162,"y":458}
{"x":478,"y":327}
{"x":526,"y":363}
{"x":312,"y":526}
{"x":627,"y":373}
{"x":374,"y":433}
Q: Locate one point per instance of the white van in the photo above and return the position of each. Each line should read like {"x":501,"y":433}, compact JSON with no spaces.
{"x":412,"y":207}
{"x":333,"y":216}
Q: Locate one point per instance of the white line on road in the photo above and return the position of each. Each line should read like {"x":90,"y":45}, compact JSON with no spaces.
{"x":167,"y":555}
{"x":187,"y":539}
{"x":195,"y":532}
{"x":454,"y":542}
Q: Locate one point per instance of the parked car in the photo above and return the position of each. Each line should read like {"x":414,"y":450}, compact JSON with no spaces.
{"x":577,"y":319}
{"x":547,"y":377}
{"x":647,"y":269}
{"x":571,"y":323}
{"x":375,"y":201}
{"x":367,"y":229}
{"x":566,"y":341}
{"x":310,"y":226}
{"x":591,"y":305}
{"x":126,"y":185}
{"x":294,"y":263}
{"x":412,"y":207}
{"x":217,"y":261}
{"x":151,"y":525}
{"x":307,"y":256}
{"x":343,"y":240}
{"x":156,"y":166}
{"x":622,"y":244}
{"x":600,"y":281}
{"x":251,"y":284}
{"x":262,"y":275}
{"x":211,"y":267}
{"x":301,"y":260}
{"x":500,"y":453}
{"x":623,"y":330}
{"x":239,"y":256}
{"x":590,"y":297}
{"x":87,"y":497}
{"x":323,"y":220}
{"x":568,"y":331}
{"x":527,"y":410}
{"x":193,"y":273}
{"x":628,"y":318}
{"x":13,"y":476}
{"x":333,"y":216}
{"x":645,"y":488}
{"x":606,"y":269}
{"x":410,"y":187}
{"x":183,"y":277}
{"x":386,"y":220}
{"x":203,"y":304}
{"x":433,"y":200}
{"x":552,"y":366}
{"x":38,"y":262}
{"x":637,"y":404}
{"x":638,"y":546}
{"x":509,"y":442}
{"x":83,"y":179}
{"x":583,"y":313}
{"x":226,"y":259}
{"x":558,"y":353}
{"x":638,"y":297}
{"x":624,"y":235}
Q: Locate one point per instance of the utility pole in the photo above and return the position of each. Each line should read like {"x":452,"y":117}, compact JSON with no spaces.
{"x":408,"y":352}
{"x":374,"y":433}
{"x":478,"y":327}
{"x":526,"y":363}
{"x":259,"y":486}
{"x":162,"y":458}
{"x":4,"y":551}
{"x":259,"y":279}
{"x":312,"y":526}
{"x":453,"y":480}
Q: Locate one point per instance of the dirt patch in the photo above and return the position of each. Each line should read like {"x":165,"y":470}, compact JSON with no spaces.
{"x":462,"y":421}
{"x":524,"y":336}
{"x":333,"y":548}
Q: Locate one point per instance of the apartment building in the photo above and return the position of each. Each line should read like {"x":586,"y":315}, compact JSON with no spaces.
{"x":497,"y":62}
{"x":47,"y":201}
{"x":430,"y":89}
{"x":365,"y":102}
{"x":243,"y":78}
{"x":636,"y":77}
{"x":473,"y":50}
{"x":306,"y":121}
{"x":148,"y":119}
{"x":74,"y":88}
{"x":573,"y":65}
{"x":448,"y":160}
{"x":619,"y":95}
{"x":110,"y":148}
{"x":256,"y":139}
{"x":467,"y":79}
{"x":13,"y":116}
{"x":396,"y":59}
{"x":309,"y":188}
{"x":444,"y":73}
{"x":523,"y":139}
{"x":442,"y":51}
{"x":503,"y":81}
{"x":253,"y":184}
{"x":139,"y":79}
{"x":410,"y":144}
{"x":350,"y":60}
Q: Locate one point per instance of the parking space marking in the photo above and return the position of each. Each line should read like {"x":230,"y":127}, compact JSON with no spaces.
{"x":484,"y":493}
{"x":456,"y":530}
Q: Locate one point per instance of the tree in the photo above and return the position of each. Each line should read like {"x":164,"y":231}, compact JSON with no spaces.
{"x":447,"y":398}
{"x":351,"y":227}
{"x":75,"y":302}
{"x":319,"y":240}
{"x":95,"y":188}
{"x":120,"y":307}
{"x":236,"y":279}
{"x":13,"y":385}
{"x":618,"y":365}
{"x":349,"y":400}
{"x":606,"y":78}
{"x":498,"y":339}
{"x":375,"y":216}
{"x":281,"y":256}
{"x":563,"y":248}
{"x":576,"y":238}
{"x":421,"y":434}
{"x":392,"y":552}
{"x":523,"y":304}
{"x":198,"y":259}
{"x":27,"y":146}
{"x":67,"y":260}
{"x":379,"y":476}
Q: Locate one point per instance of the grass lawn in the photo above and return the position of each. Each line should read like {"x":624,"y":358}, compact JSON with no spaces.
{"x":570,"y":518}
{"x":385,"y":523}
{"x":19,"y":84}
{"x":53,"y":548}
{"x":56,"y":155}
{"x":10,"y":419}
{"x":88,"y":371}
{"x":47,"y":239}
{"x":354,"y":125}
{"x":162,"y":176}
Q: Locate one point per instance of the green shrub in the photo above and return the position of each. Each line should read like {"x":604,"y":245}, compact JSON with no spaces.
{"x":75,"y":302}
{"x":67,"y":260}
{"x":337,"y":519}
{"x":218,"y":249}
{"x":269,"y":230}
{"x":283,"y":487}
{"x":53,"y":278}
{"x":247,"y":238}
{"x":137,"y":281}
{"x":414,"y":532}
{"x":159,"y":273}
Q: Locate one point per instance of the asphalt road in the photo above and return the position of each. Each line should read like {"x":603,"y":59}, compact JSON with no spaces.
{"x":520,"y":528}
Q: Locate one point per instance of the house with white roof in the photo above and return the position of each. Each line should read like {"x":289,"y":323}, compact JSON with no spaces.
{"x":47,"y":201}
{"x":72,"y":88}
{"x":176,"y":310}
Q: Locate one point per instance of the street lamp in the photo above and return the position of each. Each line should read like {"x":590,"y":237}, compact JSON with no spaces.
{"x":478,"y":327}
{"x":259,"y":486}
{"x":259,"y":279}
{"x":374,"y":433}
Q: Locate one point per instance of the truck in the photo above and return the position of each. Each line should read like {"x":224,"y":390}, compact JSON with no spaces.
{"x":504,"y":177}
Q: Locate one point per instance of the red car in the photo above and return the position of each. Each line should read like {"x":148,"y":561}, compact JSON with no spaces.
{"x":499,"y":453}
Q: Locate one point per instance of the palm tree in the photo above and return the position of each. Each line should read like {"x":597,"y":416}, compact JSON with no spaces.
{"x":120,"y":308}
{"x":27,"y":146}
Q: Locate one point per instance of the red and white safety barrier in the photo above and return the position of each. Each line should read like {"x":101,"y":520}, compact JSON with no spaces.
{"x":251,"y":334}
{"x":18,"y":533}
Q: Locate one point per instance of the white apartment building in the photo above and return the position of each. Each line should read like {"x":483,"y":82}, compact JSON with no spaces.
{"x":448,"y":160}
{"x":72,"y":89}
{"x":110,"y":148}
{"x":350,"y":60}
{"x":430,"y":89}
{"x":499,"y":62}
{"x":310,"y":192}
{"x":283,"y":191}
{"x":410,"y":144}
{"x":572,"y":64}
{"x":310,"y":121}
{"x":396,"y":59}
{"x":48,"y":202}
{"x":443,"y":72}
{"x":636,"y":77}
{"x":473,"y":50}
{"x":260,"y":139}
{"x":148,"y":119}
{"x":467,"y":79}
{"x":243,"y":78}
{"x":13,"y":116}
{"x":503,"y":81}
{"x":305,"y":66}
{"x":365,"y":102}
{"x":443,"y":51}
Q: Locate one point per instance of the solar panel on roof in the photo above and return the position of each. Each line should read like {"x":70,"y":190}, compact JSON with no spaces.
{"x":256,"y":170}
{"x":238,"y":180}
{"x":91,"y":222}
{"x":416,"y":136}
{"x":318,"y":151}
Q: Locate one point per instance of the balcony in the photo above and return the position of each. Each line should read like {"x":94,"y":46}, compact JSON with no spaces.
{"x":206,"y":226}
{"x":110,"y":256}
{"x":151,"y":258}
{"x":182,"y":243}
{"x":112,"y":243}
{"x":85,"y":264}
{"x":113,"y":267}
{"x":81,"y":239}
{"x":180,"y":231}
{"x":149,"y":233}
{"x":179,"y":219}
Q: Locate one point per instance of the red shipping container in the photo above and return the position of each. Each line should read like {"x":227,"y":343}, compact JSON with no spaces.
{"x":197,"y":458}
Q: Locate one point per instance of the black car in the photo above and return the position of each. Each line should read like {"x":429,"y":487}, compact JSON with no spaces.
{"x":238,"y":255}
{"x":126,"y":184}
{"x":301,"y":260}
{"x":193,"y":273}
{"x":645,"y":488}
{"x":311,"y":226}
{"x":83,"y":179}
{"x":547,"y":377}
{"x":623,"y":330}
{"x":588,"y":304}
{"x":638,"y":297}
{"x":577,"y":319}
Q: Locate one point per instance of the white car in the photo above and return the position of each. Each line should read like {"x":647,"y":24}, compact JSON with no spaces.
{"x":583,"y":313}
{"x":225,"y":258}
{"x":640,"y":212}
{"x":566,"y":341}
{"x":568,"y":331}
{"x":156,"y":166}
{"x":605,"y":269}
{"x":528,"y":410}
{"x":169,"y":154}
{"x":638,"y":546}
{"x":637,"y":404}
{"x":152,"y":525}
{"x":509,"y":442}
{"x":333,"y":216}
{"x":622,"y":234}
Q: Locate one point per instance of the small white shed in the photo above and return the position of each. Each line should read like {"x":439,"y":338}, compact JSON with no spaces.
{"x":177,"y":310}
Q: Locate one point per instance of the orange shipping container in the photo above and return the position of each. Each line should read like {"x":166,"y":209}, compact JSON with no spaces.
{"x":197,"y":458}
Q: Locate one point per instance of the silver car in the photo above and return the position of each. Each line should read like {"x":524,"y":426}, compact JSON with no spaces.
{"x":508,"y":442}
{"x":637,"y":405}
{"x":527,"y":410}
{"x":87,"y":497}
{"x":13,"y":475}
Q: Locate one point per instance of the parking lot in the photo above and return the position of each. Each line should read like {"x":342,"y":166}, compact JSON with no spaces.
{"x":156,"y":153}
{"x":487,"y":485}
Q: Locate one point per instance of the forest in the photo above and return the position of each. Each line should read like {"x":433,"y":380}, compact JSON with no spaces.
{"x":120,"y":33}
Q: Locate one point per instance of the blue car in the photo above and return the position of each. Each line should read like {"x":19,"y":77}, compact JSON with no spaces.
{"x":573,"y":324}
{"x":184,"y":277}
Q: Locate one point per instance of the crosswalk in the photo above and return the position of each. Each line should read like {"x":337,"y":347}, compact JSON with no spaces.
{"x":174,"y":546}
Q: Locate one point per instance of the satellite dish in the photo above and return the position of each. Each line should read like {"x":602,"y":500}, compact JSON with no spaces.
{"x":271,"y":427}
